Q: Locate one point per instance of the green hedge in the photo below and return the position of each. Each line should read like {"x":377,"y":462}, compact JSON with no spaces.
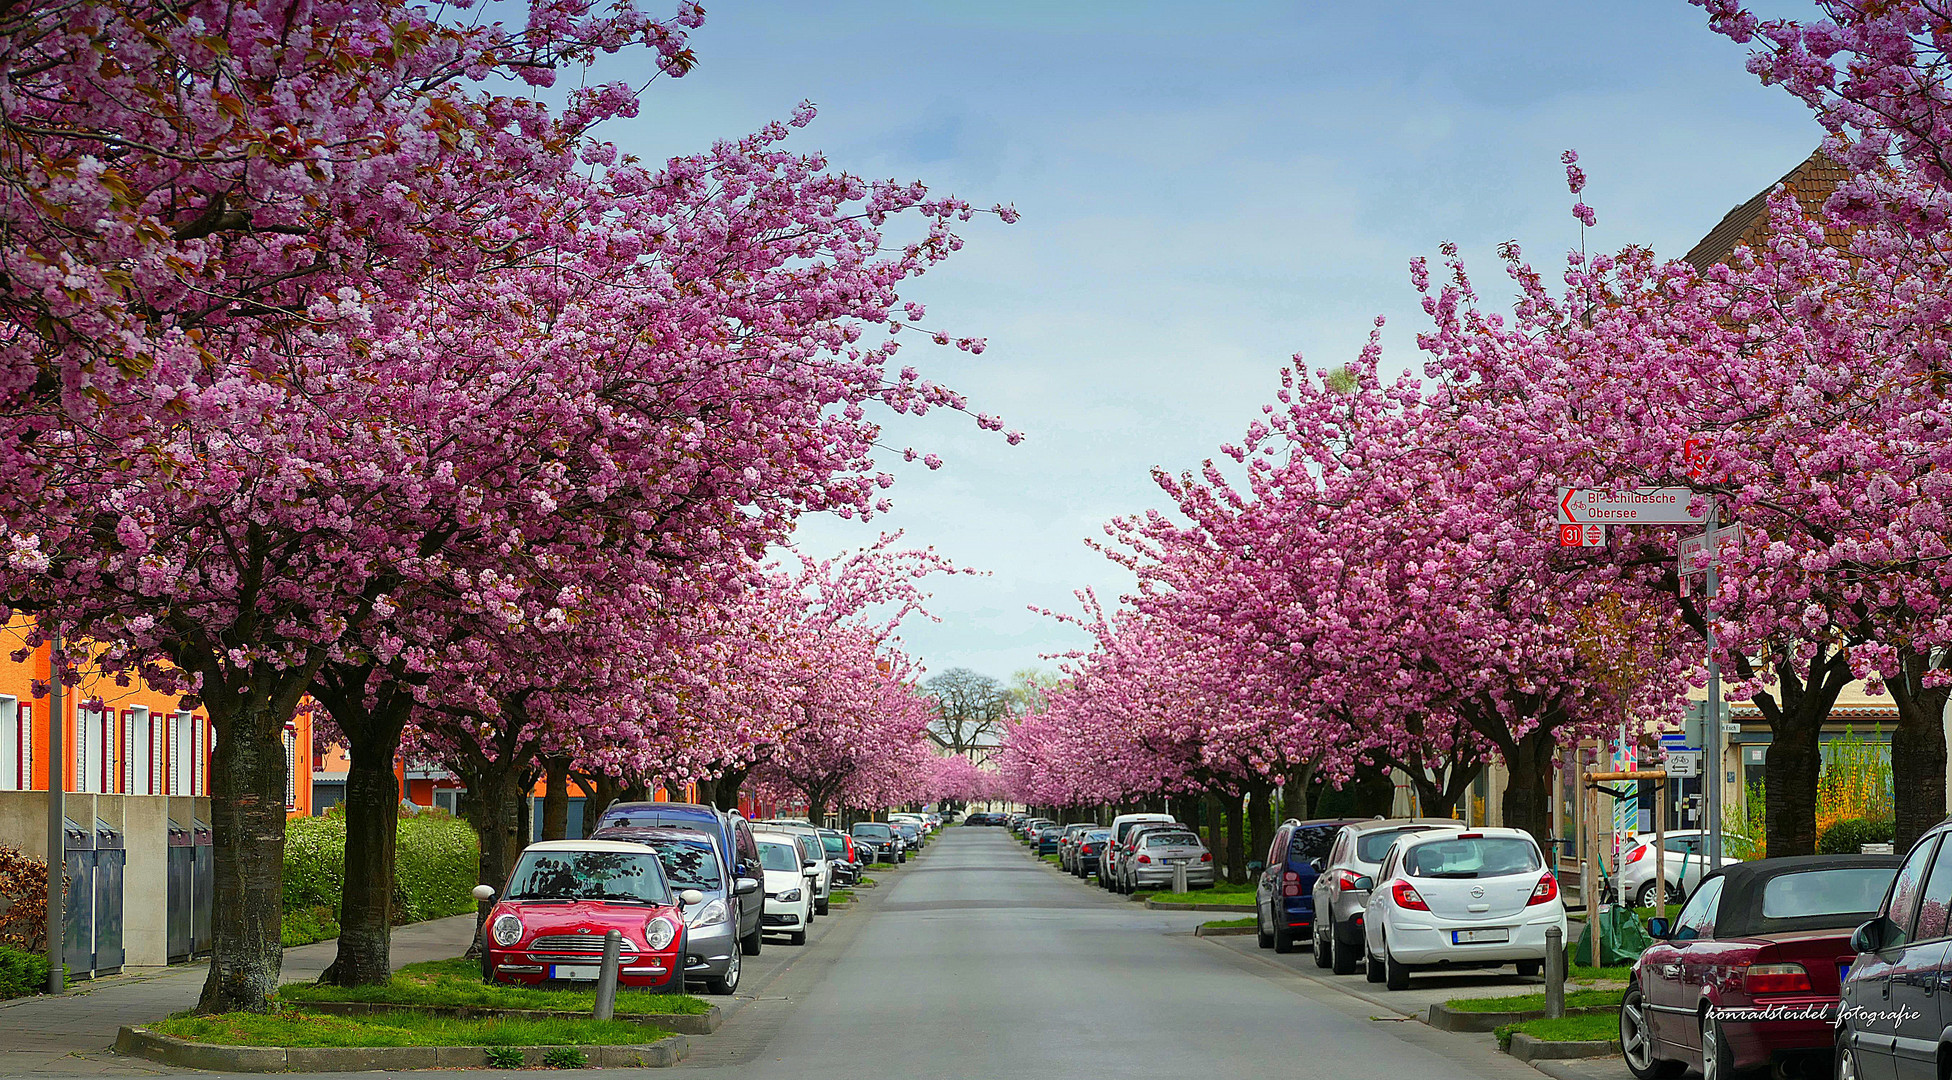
{"x":21,"y":972}
{"x":1846,"y":836}
{"x":436,"y":859}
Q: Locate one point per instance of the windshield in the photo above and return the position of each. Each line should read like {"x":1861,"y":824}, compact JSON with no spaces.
{"x":1483,"y":856}
{"x":618,"y":876}
{"x":1852,"y":890}
{"x":687,"y":865}
{"x":777,"y":856}
{"x":1170,"y":839}
{"x":1372,"y":846}
{"x":1312,"y":842}
{"x":877,"y":832}
{"x":1126,"y":827}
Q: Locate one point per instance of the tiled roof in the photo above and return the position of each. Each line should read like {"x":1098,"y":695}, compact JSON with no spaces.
{"x":1811,"y":182}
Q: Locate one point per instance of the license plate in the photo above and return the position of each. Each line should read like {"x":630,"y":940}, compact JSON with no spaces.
{"x":1177,"y":862}
{"x":574,"y":972}
{"x":1466,"y":937}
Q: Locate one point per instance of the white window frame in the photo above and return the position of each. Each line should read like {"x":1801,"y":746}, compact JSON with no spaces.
{"x":138,"y":751}
{"x":14,"y":748}
{"x":179,"y":743}
{"x":88,"y":750}
{"x":291,"y":768}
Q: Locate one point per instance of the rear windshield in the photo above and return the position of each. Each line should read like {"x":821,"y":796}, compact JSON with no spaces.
{"x":1170,"y":839}
{"x":1097,"y":834}
{"x":835,"y":845}
{"x":618,"y":876}
{"x":879,"y":832}
{"x":774,"y":856}
{"x":688,"y":865}
{"x":1825,"y":892}
{"x":1484,"y":856}
{"x":1312,"y":842}
{"x":1127,"y":826}
{"x":1372,"y":846}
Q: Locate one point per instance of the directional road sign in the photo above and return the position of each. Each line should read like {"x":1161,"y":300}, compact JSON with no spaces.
{"x":1582,"y":535}
{"x":1683,"y":764}
{"x":1632,"y":506}
{"x":1700,"y":551}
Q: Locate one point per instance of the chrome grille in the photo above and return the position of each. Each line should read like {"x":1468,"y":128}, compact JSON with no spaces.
{"x":579,"y":946}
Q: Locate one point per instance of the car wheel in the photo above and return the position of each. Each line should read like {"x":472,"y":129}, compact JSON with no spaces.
{"x":1528,"y":967}
{"x":1645,"y":897}
{"x":1342,"y":956}
{"x":728,"y":982}
{"x":797,"y":937}
{"x":1262,"y":937}
{"x":751,"y":942}
{"x":1847,"y":1059}
{"x":1396,"y":974}
{"x":1637,"y":1042}
{"x":1717,"y":1057}
{"x":1372,"y":968}
{"x":1321,"y":948}
{"x":1284,"y":940}
{"x":820,"y":908}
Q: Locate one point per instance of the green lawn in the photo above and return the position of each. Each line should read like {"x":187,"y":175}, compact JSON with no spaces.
{"x":841,"y":896}
{"x":306,"y":926}
{"x":1582,"y":973}
{"x":1593,"y":1027}
{"x":1575,"y":999}
{"x":398,"y":1029}
{"x":458,"y":982}
{"x":1052,"y":859}
{"x":1228,"y":924}
{"x":881,"y":866}
{"x":1219,"y":894}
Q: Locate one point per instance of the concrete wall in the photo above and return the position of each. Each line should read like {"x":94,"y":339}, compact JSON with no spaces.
{"x":144,"y":822}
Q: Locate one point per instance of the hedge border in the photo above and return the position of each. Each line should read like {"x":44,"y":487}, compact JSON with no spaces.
{"x":144,"y":1043}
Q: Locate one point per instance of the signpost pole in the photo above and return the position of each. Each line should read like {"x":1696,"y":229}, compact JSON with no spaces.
{"x":57,"y":837}
{"x":1713,"y":748}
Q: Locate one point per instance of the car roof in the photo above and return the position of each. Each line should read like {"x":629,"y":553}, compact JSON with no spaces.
{"x":1740,"y":912}
{"x":1372,"y":824}
{"x":658,"y":832}
{"x":586,"y":845}
{"x":789,"y":839}
{"x":1490,"y":832}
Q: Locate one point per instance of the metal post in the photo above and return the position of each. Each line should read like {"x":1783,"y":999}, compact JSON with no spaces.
{"x":1555,"y":972}
{"x":1660,"y":849}
{"x":606,"y":978}
{"x":57,"y":836}
{"x":1179,"y":879}
{"x":1713,"y":751}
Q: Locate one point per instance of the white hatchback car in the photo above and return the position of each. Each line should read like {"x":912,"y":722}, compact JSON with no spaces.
{"x":1482,"y":898}
{"x":789,"y":886}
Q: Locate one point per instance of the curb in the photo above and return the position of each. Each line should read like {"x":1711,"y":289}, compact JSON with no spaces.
{"x":141,"y":1042}
{"x":1222,"y":931}
{"x":682,"y":1023}
{"x":1245,"y":909}
{"x":1444,"y":1018}
{"x":1527,"y":1048}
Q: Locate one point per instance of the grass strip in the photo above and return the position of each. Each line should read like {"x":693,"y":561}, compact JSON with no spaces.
{"x":1596,"y":1027}
{"x":398,"y":1029}
{"x":1575,"y":999}
{"x":1227,"y":924}
{"x":458,"y":982}
{"x":841,"y":896}
{"x":1582,"y":973}
{"x":1219,"y":894}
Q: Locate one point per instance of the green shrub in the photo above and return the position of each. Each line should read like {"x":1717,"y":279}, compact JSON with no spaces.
{"x":23,"y":900}
{"x":436,"y":859}
{"x":304,"y":926}
{"x":1848,"y":835}
{"x":21,"y":972}
{"x":504,"y":1057}
{"x":566,"y":1057}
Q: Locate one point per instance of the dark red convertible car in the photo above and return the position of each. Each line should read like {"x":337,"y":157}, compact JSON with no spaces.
{"x":1748,"y":973}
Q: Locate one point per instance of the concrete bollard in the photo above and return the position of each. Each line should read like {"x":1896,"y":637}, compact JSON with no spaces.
{"x":1555,"y":972}
{"x":1179,"y":879}
{"x":606,"y":978}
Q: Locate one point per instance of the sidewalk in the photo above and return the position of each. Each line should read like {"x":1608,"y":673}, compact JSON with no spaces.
{"x":69,"y":1034}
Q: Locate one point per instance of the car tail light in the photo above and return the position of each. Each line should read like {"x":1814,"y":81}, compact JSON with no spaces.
{"x":1406,"y":897}
{"x":1290,"y":883}
{"x":1145,"y":858}
{"x":1346,"y":879}
{"x":1777,"y":979}
{"x":1639,"y":853}
{"x":1469,"y":836}
{"x":1545,"y":891}
{"x":1206,"y":856}
{"x":1090,"y":848}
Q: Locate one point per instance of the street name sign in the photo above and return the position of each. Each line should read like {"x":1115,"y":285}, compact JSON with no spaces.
{"x":1632,"y":506}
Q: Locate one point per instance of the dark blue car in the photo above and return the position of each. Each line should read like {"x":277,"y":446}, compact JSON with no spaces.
{"x":1284,"y":901}
{"x":735,"y":845}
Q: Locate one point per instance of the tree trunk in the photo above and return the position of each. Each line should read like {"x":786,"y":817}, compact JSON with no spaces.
{"x":1294,"y":792}
{"x":1236,"y":842}
{"x":555,"y":798}
{"x":1260,"y":821}
{"x":729,"y":783}
{"x":494,"y":809}
{"x":1917,"y":751}
{"x":1527,"y":802}
{"x":247,"y":820}
{"x":366,"y":905}
{"x":1795,"y":761}
{"x":707,"y":792}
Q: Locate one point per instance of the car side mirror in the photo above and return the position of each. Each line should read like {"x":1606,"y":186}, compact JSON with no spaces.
{"x":1363,"y":883}
{"x":745,"y":886}
{"x":1870,"y":936}
{"x":691,"y":897}
{"x":484,"y":893}
{"x":1658,"y":929}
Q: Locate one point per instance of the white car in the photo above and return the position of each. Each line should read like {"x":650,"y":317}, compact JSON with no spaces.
{"x":1482,"y":898}
{"x":789,"y":886}
{"x":1687,"y":864}
{"x":812,"y":849}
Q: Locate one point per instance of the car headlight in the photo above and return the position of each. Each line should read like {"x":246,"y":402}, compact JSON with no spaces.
{"x":788,"y":896}
{"x":709,"y":915}
{"x":658,"y":933}
{"x":507,"y":930}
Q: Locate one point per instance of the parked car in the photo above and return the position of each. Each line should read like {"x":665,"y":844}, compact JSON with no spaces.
{"x":1339,"y":894}
{"x":1481,"y":898}
{"x":840,"y":851}
{"x":691,"y":861}
{"x":1125,"y":876}
{"x":1748,"y":972}
{"x":548,"y":922}
{"x":1894,"y":988}
{"x":982,"y":817}
{"x":1160,"y":851}
{"x":910,"y":833}
{"x":1284,"y":896}
{"x":814,"y":851}
{"x":1046,"y":837}
{"x":1687,"y":864}
{"x":882,"y":842}
{"x":1090,"y":846}
{"x":789,"y":885}
{"x":1067,"y":843}
{"x":1121,"y":825}
{"x":733,"y":841}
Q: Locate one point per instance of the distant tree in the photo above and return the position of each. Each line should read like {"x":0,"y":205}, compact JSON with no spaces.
{"x":1030,"y":691}
{"x":970,"y":712}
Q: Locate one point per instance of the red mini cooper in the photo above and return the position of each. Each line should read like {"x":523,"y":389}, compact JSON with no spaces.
{"x":549,"y":923}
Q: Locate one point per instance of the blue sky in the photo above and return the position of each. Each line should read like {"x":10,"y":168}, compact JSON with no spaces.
{"x":1205,"y":190}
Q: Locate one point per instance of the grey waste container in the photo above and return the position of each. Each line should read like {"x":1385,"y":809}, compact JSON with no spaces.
{"x":206,"y":885}
{"x":181,"y":875}
{"x":78,"y":909}
{"x":111,"y":859}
